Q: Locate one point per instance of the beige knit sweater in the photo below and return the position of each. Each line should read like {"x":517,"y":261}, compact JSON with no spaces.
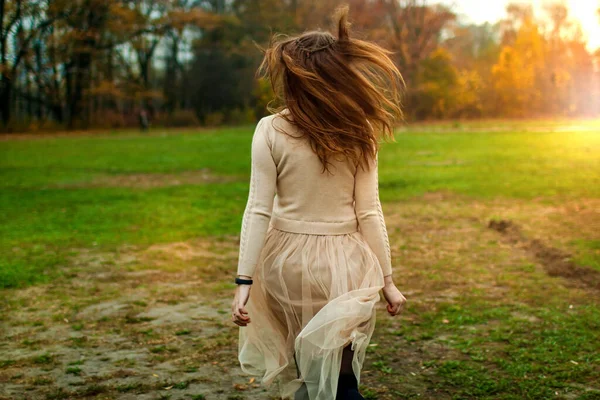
{"x":289,"y":191}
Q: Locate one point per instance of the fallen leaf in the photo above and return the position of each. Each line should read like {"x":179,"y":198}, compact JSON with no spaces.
{"x":240,"y":386}
{"x":251,"y":380}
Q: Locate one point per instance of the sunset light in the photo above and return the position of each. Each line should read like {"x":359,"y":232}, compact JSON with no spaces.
{"x":584,"y":12}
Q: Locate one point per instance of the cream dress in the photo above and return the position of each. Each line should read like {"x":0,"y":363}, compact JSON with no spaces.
{"x":316,"y":246}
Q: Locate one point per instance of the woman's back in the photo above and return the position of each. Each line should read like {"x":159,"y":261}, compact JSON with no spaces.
{"x":309,"y":200}
{"x":297,"y":195}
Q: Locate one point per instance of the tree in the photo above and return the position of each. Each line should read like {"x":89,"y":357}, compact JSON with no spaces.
{"x":416,"y":32}
{"x":187,"y":18}
{"x":519,"y":72}
{"x":513,"y":83}
{"x":21,"y":22}
{"x":94,"y":62}
{"x":517,"y":14}
{"x":436,"y":82}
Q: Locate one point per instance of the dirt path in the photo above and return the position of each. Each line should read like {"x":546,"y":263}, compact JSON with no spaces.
{"x":122,"y":327}
{"x":153,"y":323}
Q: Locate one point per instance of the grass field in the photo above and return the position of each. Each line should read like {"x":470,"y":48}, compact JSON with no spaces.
{"x":117,"y":252}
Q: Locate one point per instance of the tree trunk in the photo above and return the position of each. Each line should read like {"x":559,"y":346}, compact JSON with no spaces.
{"x":94,"y":19}
{"x":80,"y":83}
{"x":5,"y":99}
{"x":170,"y":80}
{"x":38,"y":80}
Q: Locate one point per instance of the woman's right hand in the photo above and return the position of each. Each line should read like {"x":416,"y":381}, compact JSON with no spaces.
{"x":393,"y":296}
{"x":239,"y":314}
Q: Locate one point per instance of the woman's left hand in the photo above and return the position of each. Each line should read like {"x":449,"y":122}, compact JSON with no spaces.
{"x":239,"y":315}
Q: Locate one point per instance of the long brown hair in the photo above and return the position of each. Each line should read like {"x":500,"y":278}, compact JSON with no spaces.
{"x":342,"y":93}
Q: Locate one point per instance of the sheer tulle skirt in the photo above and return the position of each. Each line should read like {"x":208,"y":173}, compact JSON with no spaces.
{"x":312,"y":296}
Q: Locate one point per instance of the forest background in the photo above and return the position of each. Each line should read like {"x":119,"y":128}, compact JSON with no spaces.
{"x":95,"y":64}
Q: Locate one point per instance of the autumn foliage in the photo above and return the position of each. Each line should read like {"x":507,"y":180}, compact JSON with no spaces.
{"x":92,"y":63}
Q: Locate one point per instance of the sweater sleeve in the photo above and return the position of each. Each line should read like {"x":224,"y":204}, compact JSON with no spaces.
{"x":255,"y":222}
{"x":370,"y":214}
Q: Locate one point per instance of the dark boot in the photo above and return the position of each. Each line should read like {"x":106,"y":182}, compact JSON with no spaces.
{"x":348,"y":388}
{"x":302,"y":393}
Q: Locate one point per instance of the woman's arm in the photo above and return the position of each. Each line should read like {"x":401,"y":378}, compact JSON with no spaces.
{"x":372,"y":225}
{"x":370,"y":214}
{"x":263,"y":180}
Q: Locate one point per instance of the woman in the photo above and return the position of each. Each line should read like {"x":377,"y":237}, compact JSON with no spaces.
{"x":314,"y":250}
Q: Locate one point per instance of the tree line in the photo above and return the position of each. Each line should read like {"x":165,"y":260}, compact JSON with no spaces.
{"x":79,"y":64}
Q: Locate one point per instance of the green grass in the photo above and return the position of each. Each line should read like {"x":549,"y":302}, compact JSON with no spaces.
{"x":558,"y":347}
{"x":499,"y":355}
{"x":46,"y":210}
{"x":588,"y":252}
{"x":39,"y":228}
{"x":75,"y":160}
{"x":73,"y":371}
{"x":509,"y":331}
{"x":517,"y":164}
{"x":44,"y":359}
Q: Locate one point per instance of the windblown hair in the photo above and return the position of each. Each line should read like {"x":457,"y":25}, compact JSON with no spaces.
{"x":343,"y":93}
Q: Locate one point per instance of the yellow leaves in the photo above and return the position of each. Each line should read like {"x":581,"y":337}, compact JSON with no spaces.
{"x":561,"y":78}
{"x":467,"y":95}
{"x":107,"y":88}
{"x":470,"y":79}
{"x":123,"y":14}
{"x":150,"y":94}
{"x":514,"y":82}
{"x":509,"y":71}
{"x":530,"y":43}
{"x":125,"y":20}
{"x":124,"y":91}
{"x":180,"y":18}
{"x":514,"y":74}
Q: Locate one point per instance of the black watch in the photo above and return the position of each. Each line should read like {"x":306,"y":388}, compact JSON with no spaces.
{"x":240,"y":281}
